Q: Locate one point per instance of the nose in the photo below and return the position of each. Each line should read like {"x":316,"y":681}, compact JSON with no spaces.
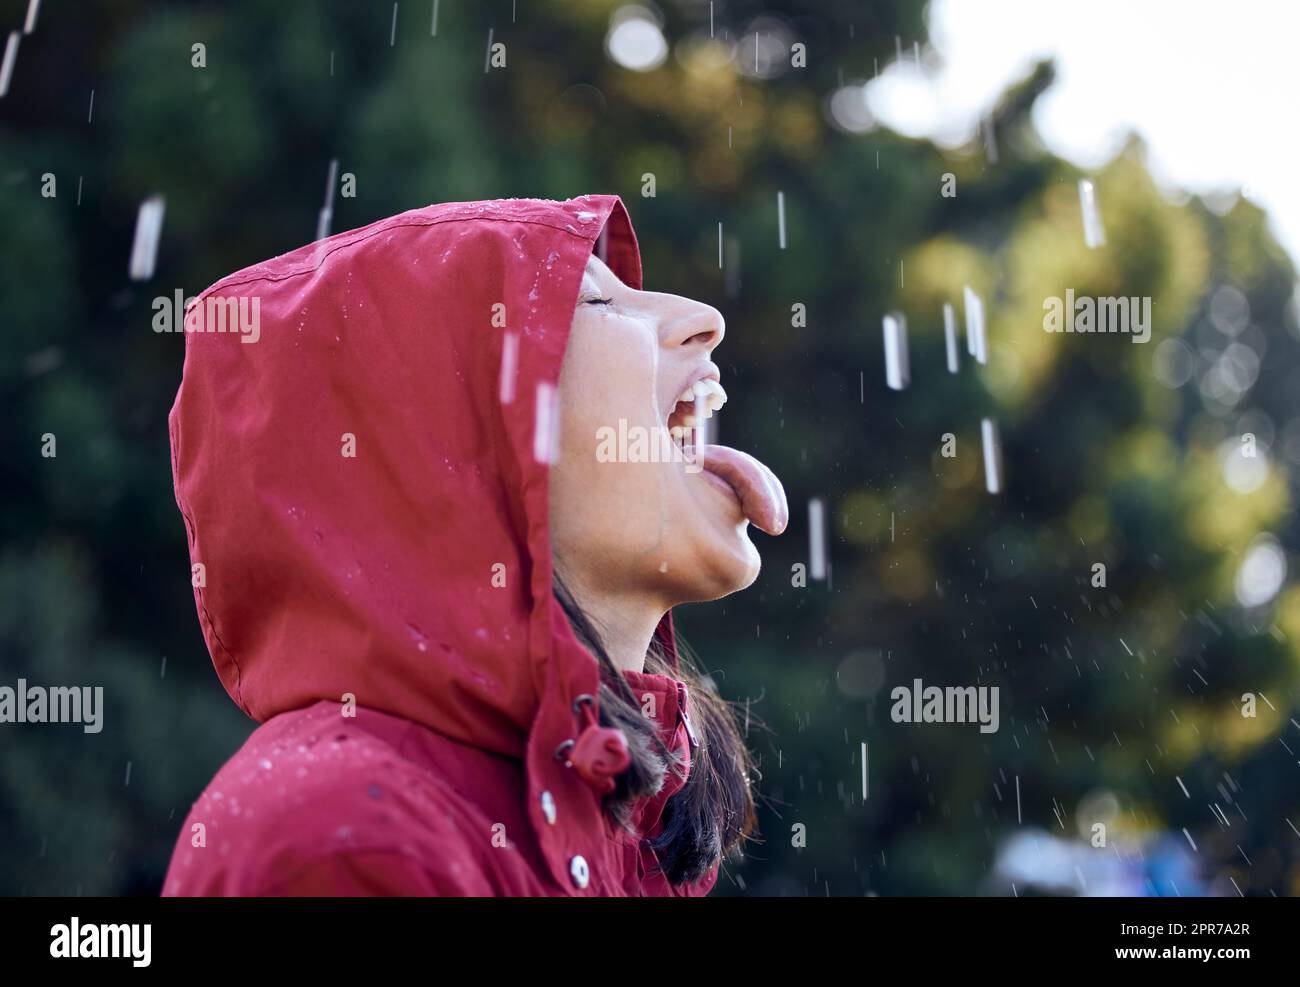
{"x":692,"y":324}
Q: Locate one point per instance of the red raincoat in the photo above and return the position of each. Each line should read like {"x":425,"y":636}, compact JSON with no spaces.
{"x":364,"y":487}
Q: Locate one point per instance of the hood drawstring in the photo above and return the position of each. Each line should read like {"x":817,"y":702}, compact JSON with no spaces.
{"x":599,"y":754}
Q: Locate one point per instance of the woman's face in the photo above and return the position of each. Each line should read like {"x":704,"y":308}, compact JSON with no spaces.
{"x":631,"y":511}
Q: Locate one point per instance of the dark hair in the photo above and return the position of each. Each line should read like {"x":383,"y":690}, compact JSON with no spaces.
{"x":714,"y":811}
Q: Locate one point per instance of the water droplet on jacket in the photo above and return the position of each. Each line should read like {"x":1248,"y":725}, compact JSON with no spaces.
{"x":421,"y":639}
{"x":374,"y":791}
{"x":264,"y":764}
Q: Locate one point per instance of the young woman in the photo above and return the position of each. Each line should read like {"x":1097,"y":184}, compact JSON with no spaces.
{"x":435,"y":544}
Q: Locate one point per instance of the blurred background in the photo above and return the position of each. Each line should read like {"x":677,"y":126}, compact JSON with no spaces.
{"x":917,"y":151}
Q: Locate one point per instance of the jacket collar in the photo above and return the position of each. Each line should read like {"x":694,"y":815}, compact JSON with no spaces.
{"x":666,"y":700}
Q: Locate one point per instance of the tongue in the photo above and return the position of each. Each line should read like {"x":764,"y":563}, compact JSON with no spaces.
{"x":761,"y":495}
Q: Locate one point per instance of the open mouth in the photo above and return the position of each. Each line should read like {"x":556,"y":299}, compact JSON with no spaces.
{"x":762,"y":499}
{"x":694,"y":406}
{"x":761,"y":496}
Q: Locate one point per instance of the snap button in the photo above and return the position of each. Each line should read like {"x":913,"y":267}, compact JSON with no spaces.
{"x":548,"y":807}
{"x":578,"y":871}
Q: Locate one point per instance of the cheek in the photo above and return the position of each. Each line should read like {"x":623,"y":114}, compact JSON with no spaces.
{"x":607,"y":375}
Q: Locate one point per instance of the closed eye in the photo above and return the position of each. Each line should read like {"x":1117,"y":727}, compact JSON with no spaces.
{"x":598,"y":301}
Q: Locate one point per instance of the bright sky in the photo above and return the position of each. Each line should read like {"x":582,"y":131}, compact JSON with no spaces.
{"x":1212,"y":87}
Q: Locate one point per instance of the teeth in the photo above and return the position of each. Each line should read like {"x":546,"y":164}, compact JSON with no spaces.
{"x":711,"y":391}
{"x":705,"y":397}
{"x":708,"y":396}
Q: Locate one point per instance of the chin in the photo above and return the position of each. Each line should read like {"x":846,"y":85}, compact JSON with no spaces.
{"x":749,"y":568}
{"x":723,"y":569}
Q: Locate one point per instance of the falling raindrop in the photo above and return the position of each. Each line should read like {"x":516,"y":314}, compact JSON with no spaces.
{"x":817,"y":538}
{"x":509,"y":367}
{"x":975,"y":339}
{"x":1093,"y":234}
{"x":327,"y":211}
{"x":148,"y":230}
{"x":897,"y":371}
{"x":950,"y":337}
{"x":7,"y":66}
{"x":546,"y":424}
{"x":992,"y":456}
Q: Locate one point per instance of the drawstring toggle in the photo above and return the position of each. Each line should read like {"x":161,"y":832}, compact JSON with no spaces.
{"x":600,"y":754}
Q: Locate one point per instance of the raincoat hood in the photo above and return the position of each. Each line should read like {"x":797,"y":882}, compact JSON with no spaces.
{"x":365,"y":485}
